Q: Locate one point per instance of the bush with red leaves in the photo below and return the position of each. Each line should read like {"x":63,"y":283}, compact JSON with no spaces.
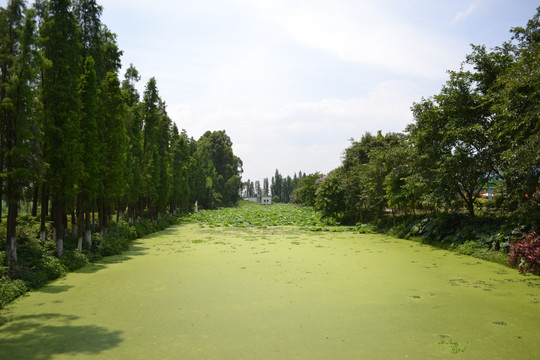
{"x":525,"y":253}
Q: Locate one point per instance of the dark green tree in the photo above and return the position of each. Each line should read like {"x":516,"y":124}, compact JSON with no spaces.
{"x":151,"y":162}
{"x":304,"y":193}
{"x":61,"y":47}
{"x":224,"y":169}
{"x":164,"y":160}
{"x":451,"y":138}
{"x":135,"y":154}
{"x":18,"y":61}
{"x":89,"y":178}
{"x":113,"y":153}
{"x":516,"y":108}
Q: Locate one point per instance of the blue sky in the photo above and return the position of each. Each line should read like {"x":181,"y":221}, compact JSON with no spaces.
{"x":292,"y":81}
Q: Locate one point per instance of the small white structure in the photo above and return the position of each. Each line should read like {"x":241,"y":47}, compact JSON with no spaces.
{"x":266,"y":200}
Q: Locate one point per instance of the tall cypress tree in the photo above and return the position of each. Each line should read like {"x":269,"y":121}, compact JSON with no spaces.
{"x":180,"y":168}
{"x":113,"y":154}
{"x":164,"y":159}
{"x":17,"y":67}
{"x":134,"y":159}
{"x":89,"y":178}
{"x":61,"y":46}
{"x":151,"y":117}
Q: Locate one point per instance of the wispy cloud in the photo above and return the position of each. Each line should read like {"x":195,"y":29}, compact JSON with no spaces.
{"x":363,"y":32}
{"x":464,"y":14}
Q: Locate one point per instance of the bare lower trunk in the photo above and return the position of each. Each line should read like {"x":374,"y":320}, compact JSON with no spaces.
{"x":35,"y":199}
{"x":59,"y":228}
{"x":12,"y":256}
{"x":11,"y":244}
{"x":44,"y":212}
{"x":117,"y":216}
{"x":88,"y":236}
{"x":88,"y":231}
{"x":59,"y":247}
{"x":74,"y":226}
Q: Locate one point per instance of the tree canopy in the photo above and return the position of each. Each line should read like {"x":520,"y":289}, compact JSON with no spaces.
{"x":81,"y":140}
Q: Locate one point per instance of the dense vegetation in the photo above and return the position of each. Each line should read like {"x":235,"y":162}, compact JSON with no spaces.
{"x":467,"y":169}
{"x":80,"y":145}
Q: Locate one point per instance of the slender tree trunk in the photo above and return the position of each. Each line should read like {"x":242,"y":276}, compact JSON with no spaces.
{"x":101,"y":218}
{"x":80,"y":221}
{"x":1,"y":190}
{"x":117,"y":215}
{"x":74,"y":231}
{"x":44,"y":212}
{"x":88,"y":230}
{"x":59,"y":218}
{"x":470,"y":205}
{"x":65,"y":224}
{"x":11,"y":243}
{"x":35,"y":199}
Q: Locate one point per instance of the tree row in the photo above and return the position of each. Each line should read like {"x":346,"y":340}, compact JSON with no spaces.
{"x":478,"y":138}
{"x":81,"y":142}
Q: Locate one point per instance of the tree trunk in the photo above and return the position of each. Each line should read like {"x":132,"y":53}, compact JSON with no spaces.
{"x":88,"y":230}
{"x":11,"y":243}
{"x":44,"y":212}
{"x":59,"y":228}
{"x":1,"y":192}
{"x":117,"y":215}
{"x":101,"y":218}
{"x":74,"y":226}
{"x":470,"y":206}
{"x":35,"y":199}
{"x":80,"y":223}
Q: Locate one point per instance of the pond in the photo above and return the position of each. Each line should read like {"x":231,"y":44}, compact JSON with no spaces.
{"x":278,"y":293}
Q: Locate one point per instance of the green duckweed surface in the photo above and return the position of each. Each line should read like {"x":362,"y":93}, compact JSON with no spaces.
{"x":278,"y":293}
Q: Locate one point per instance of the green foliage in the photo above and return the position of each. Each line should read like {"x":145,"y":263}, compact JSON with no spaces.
{"x":10,"y":290}
{"x":73,"y":260}
{"x":306,"y":189}
{"x":260,"y":216}
{"x":221,"y":168}
{"x":45,"y":269}
{"x":330,"y":197}
{"x":113,"y":244}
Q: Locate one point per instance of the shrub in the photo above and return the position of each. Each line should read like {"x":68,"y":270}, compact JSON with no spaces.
{"x":113,"y":244}
{"x":525,"y":253}
{"x":10,"y":290}
{"x":471,"y":248}
{"x":142,"y":228}
{"x":3,"y":269}
{"x":73,"y":260}
{"x":45,"y":269}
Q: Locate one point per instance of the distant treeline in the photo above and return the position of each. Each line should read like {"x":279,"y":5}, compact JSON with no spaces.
{"x":81,"y":144}
{"x":479,"y":137}
{"x":280,"y":188}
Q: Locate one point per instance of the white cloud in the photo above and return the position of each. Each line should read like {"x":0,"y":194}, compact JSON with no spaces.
{"x":464,"y":14}
{"x":304,"y":136}
{"x":364,"y":32}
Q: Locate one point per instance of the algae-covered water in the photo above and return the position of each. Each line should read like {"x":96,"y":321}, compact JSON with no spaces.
{"x":278,"y":293}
